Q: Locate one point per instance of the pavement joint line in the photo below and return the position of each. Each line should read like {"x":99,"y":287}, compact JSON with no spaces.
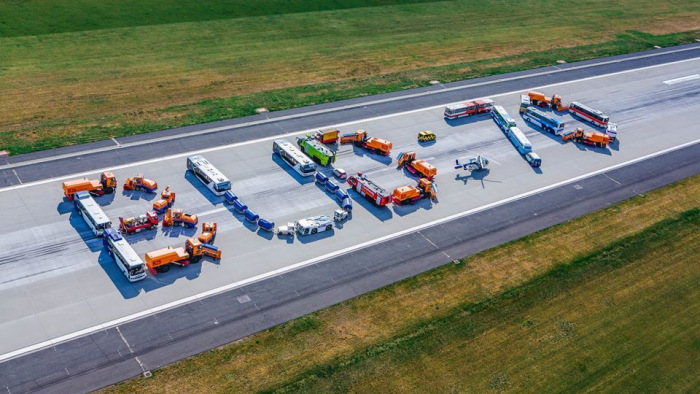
{"x":316,"y":260}
{"x":116,"y":142}
{"x":429,"y":241}
{"x":131,"y":351}
{"x":609,"y":177}
{"x":352,"y":106}
{"x":18,"y":178}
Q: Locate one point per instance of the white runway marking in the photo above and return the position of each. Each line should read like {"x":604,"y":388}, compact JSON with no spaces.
{"x":318,"y":259}
{"x":682,"y":79}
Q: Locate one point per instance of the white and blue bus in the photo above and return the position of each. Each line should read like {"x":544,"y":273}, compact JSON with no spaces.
{"x":124,"y":255}
{"x":502,"y":118}
{"x":92,"y":213}
{"x":294,"y":157}
{"x":544,"y":121}
{"x":208,"y":174}
{"x":517,"y":137}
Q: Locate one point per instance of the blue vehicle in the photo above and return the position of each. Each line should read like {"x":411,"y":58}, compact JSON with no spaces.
{"x":544,"y":121}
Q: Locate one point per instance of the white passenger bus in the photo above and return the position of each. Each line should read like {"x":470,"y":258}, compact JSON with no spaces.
{"x":502,"y":118}
{"x":124,"y":255}
{"x":208,"y":174}
{"x":517,"y":137}
{"x":92,"y":213}
{"x":294,"y":157}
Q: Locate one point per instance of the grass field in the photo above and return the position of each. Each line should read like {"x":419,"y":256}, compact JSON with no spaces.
{"x":81,"y":71}
{"x":606,"y":302}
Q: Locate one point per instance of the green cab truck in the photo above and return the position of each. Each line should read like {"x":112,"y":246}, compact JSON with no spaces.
{"x":317,"y":151}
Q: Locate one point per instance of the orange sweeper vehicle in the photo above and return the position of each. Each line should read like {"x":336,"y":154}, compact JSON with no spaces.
{"x":105,"y":185}
{"x":409,"y":194}
{"x":419,"y":168}
{"x":208,"y":233}
{"x":540,"y":100}
{"x":175,"y":217}
{"x":138,"y":182}
{"x":594,"y":138}
{"x":374,"y":145}
{"x":162,"y":259}
{"x":167,"y":199}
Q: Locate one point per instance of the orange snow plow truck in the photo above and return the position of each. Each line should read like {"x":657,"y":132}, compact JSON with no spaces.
{"x":175,"y":217}
{"x":161,"y":260}
{"x":419,"y":168}
{"x":105,"y":185}
{"x":409,"y":194}
{"x":540,"y":100}
{"x":374,"y":145}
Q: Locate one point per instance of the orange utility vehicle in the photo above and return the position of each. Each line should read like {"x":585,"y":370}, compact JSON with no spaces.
{"x":160,"y":260}
{"x":208,"y":233}
{"x":175,"y":217}
{"x":593,"y":138}
{"x":167,"y":199}
{"x":327,"y":136}
{"x":540,"y":100}
{"x":138,"y":182}
{"x":409,"y":194}
{"x":374,"y":145}
{"x":105,"y":185}
{"x":419,"y":168}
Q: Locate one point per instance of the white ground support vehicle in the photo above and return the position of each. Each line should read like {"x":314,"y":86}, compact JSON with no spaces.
{"x":611,"y":130}
{"x":286,"y":230}
{"x":339,"y":215}
{"x":314,"y":225}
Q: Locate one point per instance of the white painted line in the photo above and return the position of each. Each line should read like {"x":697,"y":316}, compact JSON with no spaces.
{"x":364,"y":104}
{"x":327,"y":256}
{"x":217,"y":148}
{"x":682,"y":79}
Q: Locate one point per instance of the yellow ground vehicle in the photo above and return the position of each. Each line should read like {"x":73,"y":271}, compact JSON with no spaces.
{"x":160,"y":260}
{"x":374,"y":145}
{"x":419,"y":168}
{"x":175,"y":217}
{"x":409,"y":194}
{"x":105,"y":185}
{"x":208,"y":233}
{"x":593,"y":138}
{"x":167,"y":199}
{"x":427,"y":135}
{"x":138,"y":182}
{"x":540,"y":100}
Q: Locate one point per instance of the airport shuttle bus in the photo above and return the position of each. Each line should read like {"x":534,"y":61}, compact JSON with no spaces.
{"x":124,"y":255}
{"x":502,"y":118}
{"x":294,"y":157}
{"x":208,"y":174}
{"x":591,"y":115}
{"x":92,"y":213}
{"x":517,"y":137}
{"x":468,"y":108}
{"x":544,"y":121}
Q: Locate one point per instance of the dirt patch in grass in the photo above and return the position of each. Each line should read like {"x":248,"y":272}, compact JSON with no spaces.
{"x":284,"y":355}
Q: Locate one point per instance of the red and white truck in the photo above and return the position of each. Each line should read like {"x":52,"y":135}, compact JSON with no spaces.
{"x":148,"y":221}
{"x":370,"y":190}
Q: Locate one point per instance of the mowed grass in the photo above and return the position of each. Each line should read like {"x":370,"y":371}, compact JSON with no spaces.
{"x":606,"y":301}
{"x":118,"y":75}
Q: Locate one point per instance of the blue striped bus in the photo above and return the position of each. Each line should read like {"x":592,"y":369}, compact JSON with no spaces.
{"x":124,"y":255}
{"x":544,"y":121}
{"x":92,"y":213}
{"x":517,"y":137}
{"x":294,"y":157}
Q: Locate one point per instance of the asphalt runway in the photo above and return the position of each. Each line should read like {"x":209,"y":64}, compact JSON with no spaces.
{"x":61,"y":282}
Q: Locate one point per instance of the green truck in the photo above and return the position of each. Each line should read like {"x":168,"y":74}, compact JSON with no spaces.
{"x":317,"y":151}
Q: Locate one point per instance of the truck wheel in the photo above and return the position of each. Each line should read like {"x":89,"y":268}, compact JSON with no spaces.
{"x":329,"y":227}
{"x":314,"y":231}
{"x":195,"y":259}
{"x":163,"y":268}
{"x":109,"y":190}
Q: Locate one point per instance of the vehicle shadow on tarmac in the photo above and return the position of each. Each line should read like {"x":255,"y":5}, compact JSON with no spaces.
{"x":476,"y":176}
{"x":93,"y":242}
{"x":66,"y":206}
{"x":381,"y":213}
{"x":176,"y":231}
{"x":467,"y":120}
{"x":145,"y":235}
{"x":305,"y":239}
{"x":361,"y":152}
{"x":150,"y":283}
{"x":602,"y":151}
{"x":194,"y":181}
{"x":135,"y":195}
{"x":302,"y":180}
{"x":407,"y":209}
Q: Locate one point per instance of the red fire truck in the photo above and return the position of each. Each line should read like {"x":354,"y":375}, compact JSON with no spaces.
{"x":370,"y":190}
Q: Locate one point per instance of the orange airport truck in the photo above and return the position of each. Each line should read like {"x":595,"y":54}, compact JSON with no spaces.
{"x":409,"y":194}
{"x":540,"y":100}
{"x":419,"y":168}
{"x":167,"y":199}
{"x":105,"y":185}
{"x":208,"y":233}
{"x":175,"y":217}
{"x":374,"y":145}
{"x":138,"y":182}
{"x":592,"y":138}
{"x":161,"y":260}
